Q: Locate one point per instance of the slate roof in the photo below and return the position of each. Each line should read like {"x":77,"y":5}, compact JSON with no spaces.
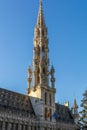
{"x":15,"y":103}
{"x":64,"y":114}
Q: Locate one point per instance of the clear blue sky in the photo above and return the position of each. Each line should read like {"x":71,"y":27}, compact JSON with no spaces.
{"x":67,"y":26}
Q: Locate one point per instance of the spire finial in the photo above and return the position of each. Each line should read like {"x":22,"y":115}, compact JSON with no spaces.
{"x":40,"y":2}
{"x":40,"y":19}
{"x":40,"y":8}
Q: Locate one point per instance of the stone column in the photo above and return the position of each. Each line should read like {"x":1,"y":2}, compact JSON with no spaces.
{"x":3,"y":126}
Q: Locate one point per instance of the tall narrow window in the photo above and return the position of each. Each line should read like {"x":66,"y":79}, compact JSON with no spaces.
{"x":16,"y":126}
{"x":6,"y":125}
{"x":43,"y":49}
{"x":45,"y":98}
{"x":22,"y":127}
{"x":43,"y":70}
{"x":50,"y":115}
{"x":38,"y":78}
{"x":1,"y":125}
{"x":26,"y":127}
{"x":11,"y":126}
{"x":50,"y":99}
{"x":45,"y":114}
{"x":35,"y":128}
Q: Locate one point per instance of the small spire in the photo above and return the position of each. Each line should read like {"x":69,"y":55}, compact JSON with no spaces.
{"x":40,"y":19}
{"x":29,"y":79}
{"x":75,"y":104}
{"x":52,"y":76}
{"x":52,"y":69}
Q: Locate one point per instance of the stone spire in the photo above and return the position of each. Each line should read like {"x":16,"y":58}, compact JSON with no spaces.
{"x":40,"y":72}
{"x":40,"y":19}
{"x":41,"y":59}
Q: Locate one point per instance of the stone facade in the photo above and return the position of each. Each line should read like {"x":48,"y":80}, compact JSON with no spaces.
{"x":37,"y":110}
{"x":21,"y":112}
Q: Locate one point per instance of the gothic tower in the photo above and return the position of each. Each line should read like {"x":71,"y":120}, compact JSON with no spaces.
{"x":41,"y":81}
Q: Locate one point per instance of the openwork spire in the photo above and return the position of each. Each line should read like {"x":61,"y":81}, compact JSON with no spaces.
{"x":40,"y":19}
